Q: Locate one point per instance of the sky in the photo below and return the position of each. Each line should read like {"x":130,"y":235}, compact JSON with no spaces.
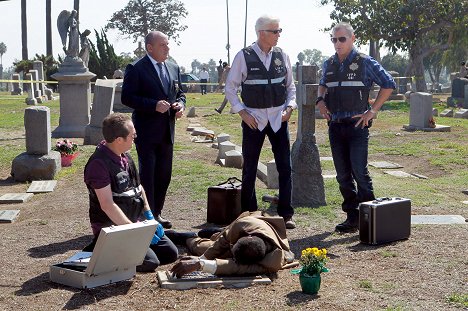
{"x":205,"y":38}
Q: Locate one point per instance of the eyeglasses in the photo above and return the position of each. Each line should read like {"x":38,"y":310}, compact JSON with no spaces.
{"x":277,"y":31}
{"x":341,"y":39}
{"x":134,"y":135}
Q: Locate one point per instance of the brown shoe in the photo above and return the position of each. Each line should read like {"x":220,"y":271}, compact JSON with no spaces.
{"x":164,"y":222}
{"x":289,"y":222}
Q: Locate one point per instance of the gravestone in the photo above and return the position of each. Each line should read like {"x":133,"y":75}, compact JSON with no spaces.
{"x":437,"y":219}
{"x":118,"y":106}
{"x":421,"y":114}
{"x":17,"y":90}
{"x":458,"y":92}
{"x":37,"y":92}
{"x":222,"y":149}
{"x":191,"y":112}
{"x":272,"y":175}
{"x":462,"y":113}
{"x":8,"y":216}
{"x":220,"y":138}
{"x":41,"y":186}
{"x":39,"y":67}
{"x":233,"y":158}
{"x":447,"y":113}
{"x":101,"y":108}
{"x":9,"y":198}
{"x":307,"y":181}
{"x":193,"y":126}
{"x":384,"y":164}
{"x":28,"y":86}
{"x":38,"y":162}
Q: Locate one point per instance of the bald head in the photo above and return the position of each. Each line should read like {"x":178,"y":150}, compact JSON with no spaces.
{"x":157,"y":45}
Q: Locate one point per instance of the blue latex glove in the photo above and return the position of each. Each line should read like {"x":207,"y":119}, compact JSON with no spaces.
{"x":159,"y":228}
{"x":155,"y":239}
{"x":148,"y":215}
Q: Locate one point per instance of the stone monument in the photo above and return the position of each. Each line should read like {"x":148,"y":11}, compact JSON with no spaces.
{"x":307,"y":181}
{"x":421,"y":117}
{"x":38,"y":162}
{"x":17,"y":90}
{"x":74,"y":82}
{"x":458,"y":93}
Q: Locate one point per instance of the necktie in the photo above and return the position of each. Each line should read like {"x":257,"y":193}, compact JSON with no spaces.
{"x":163,"y":76}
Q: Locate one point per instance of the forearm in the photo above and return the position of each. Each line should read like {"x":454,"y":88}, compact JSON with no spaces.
{"x":383,"y":95}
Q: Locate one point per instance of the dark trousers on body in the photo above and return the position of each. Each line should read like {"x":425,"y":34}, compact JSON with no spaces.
{"x":155,"y":167}
{"x":252,"y":142}
{"x":349,"y":146}
{"x":203,"y":85}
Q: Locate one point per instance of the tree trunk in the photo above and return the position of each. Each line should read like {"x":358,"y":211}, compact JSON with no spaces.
{"x":418,"y":67}
{"x":374,"y":50}
{"x":48,"y":28}
{"x":24,"y":30}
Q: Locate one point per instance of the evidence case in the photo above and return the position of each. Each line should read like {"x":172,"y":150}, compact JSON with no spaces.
{"x":118,"y":250}
{"x":224,"y":202}
{"x":384,"y":220}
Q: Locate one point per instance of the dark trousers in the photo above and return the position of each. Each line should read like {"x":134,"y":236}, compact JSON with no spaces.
{"x":203,"y":85}
{"x":155,"y":167}
{"x":349,"y":146}
{"x":252,"y":142}
{"x":162,"y":253}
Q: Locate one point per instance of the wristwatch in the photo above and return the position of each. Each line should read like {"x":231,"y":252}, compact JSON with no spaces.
{"x":318,"y":99}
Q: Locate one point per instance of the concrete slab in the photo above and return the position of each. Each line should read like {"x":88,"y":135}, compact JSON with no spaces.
{"x":192,"y":126}
{"x":384,"y":164}
{"x":419,"y":176}
{"x":15,"y":198}
{"x":437,"y":219}
{"x":40,"y":186}
{"x":8,"y":216}
{"x":438,"y":128}
{"x":401,"y":174}
{"x":205,"y":280}
{"x":326,"y":158}
{"x":328,"y":174}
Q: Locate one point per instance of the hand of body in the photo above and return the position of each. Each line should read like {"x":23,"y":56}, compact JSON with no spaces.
{"x":323,"y":109}
{"x":179,"y":108}
{"x":365,"y":118}
{"x":186,"y":265}
{"x":159,"y":228}
{"x":286,"y":114}
{"x":162,"y":106}
{"x":248,"y":119}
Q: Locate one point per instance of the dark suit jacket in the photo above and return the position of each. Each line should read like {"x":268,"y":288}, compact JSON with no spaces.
{"x":141,"y":90}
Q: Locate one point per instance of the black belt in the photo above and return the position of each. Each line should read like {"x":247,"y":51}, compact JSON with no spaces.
{"x":345,"y":120}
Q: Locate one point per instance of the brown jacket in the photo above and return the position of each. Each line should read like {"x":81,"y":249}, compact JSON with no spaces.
{"x":269,"y":228}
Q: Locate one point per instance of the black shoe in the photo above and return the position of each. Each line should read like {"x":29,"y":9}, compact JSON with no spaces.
{"x":164,"y":222}
{"x":350,"y":225}
{"x":289,"y":222}
{"x":208,"y":232}
{"x":179,"y":238}
{"x":218,"y":111}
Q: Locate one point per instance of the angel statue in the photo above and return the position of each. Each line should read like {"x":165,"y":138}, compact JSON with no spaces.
{"x":85,"y":45}
{"x":67,"y":24}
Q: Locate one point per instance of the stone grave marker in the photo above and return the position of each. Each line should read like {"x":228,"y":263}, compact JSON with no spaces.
{"x":39,"y":67}
{"x":37,"y":91}
{"x":447,"y":113}
{"x":437,"y":219}
{"x":40,"y":186}
{"x":384,"y":164}
{"x":191,"y":112}
{"x":193,"y":126}
{"x":8,"y":216}
{"x":421,"y":114}
{"x":17,"y":90}
{"x":233,"y":158}
{"x":272,"y":175}
{"x":462,"y":113}
{"x":29,"y":88}
{"x":458,"y":92}
{"x":8,"y":198}
{"x":398,"y":173}
{"x":223,"y":137}
{"x":326,"y":158}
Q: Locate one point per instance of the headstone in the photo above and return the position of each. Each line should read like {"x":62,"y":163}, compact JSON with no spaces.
{"x":272,"y":175}
{"x":458,"y":93}
{"x":420,"y":109}
{"x":262,"y":172}
{"x":8,"y":216}
{"x":30,"y":99}
{"x":35,"y":76}
{"x":201,"y":131}
{"x":17,"y":90}
{"x":40,"y":186}
{"x":401,"y":174}
{"x":437,"y":219}
{"x":307,"y":182}
{"x":8,"y":198}
{"x":118,"y":106}
{"x":191,"y":112}
{"x":39,"y":67}
{"x":223,"y":137}
{"x":223,"y":148}
{"x":233,"y":158}
{"x":447,"y":113}
{"x":462,"y":113}
{"x":101,"y":108}
{"x":37,"y":126}
{"x":193,"y":126}
{"x":326,"y":158}
{"x":384,"y":164}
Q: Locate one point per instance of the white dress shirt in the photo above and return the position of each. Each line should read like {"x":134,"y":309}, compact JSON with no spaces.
{"x":238,"y":74}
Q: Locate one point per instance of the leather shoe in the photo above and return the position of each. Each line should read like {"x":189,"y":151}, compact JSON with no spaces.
{"x":289,"y":222}
{"x":208,"y":232}
{"x":164,"y":222}
{"x":350,"y":225}
{"x":179,"y":238}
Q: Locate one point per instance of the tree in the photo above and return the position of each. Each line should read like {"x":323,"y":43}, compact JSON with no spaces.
{"x":196,"y":66}
{"x":24,"y":30}
{"x":102,"y":58}
{"x":3,"y":49}
{"x":313,"y":57}
{"x":48,"y":27}
{"x":140,"y":17}
{"x":395,"y":62}
{"x":404,"y":25}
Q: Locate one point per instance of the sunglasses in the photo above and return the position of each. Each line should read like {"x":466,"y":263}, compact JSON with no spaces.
{"x":277,"y":31}
{"x":341,"y":39}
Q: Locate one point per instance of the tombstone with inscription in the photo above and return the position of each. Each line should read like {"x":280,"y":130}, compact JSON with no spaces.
{"x":421,"y":117}
{"x":39,"y":162}
{"x":102,"y":106}
{"x":17,"y":90}
{"x":307,"y":182}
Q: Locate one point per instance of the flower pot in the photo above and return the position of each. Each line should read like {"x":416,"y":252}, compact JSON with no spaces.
{"x":67,"y":159}
{"x":310,"y":284}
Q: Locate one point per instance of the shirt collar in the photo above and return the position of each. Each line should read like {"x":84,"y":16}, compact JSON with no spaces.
{"x":153,"y":61}
{"x":348,"y":58}
{"x":258,"y":50}
{"x":121,"y":160}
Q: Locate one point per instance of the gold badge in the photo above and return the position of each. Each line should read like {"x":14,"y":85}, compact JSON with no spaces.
{"x":353,"y":66}
{"x":278,"y":62}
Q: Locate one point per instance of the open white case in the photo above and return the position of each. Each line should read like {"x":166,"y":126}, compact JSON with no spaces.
{"x":118,"y":250}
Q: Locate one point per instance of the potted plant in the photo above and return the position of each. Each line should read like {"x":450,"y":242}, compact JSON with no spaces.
{"x":312,"y":263}
{"x":68,"y":151}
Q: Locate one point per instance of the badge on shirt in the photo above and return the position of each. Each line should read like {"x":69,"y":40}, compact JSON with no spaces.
{"x":353,"y":66}
{"x":278,"y":62}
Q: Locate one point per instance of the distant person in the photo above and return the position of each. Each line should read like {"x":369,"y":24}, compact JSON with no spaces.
{"x":251,"y":244}
{"x":268,"y":100}
{"x":152,"y":88}
{"x":224,"y":76}
{"x":204,"y":77}
{"x":116,"y":196}
{"x":220,"y":70}
{"x":343,"y":99}
{"x":463,"y":70}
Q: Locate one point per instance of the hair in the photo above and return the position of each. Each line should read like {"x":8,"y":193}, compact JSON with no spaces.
{"x":152,"y":36}
{"x":249,"y":250}
{"x":115,"y":125}
{"x":264,"y":20}
{"x":345,"y":26}
{"x":224,"y":64}
{"x":463,"y":63}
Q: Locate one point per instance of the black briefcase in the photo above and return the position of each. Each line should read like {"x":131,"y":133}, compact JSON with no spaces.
{"x":224,"y":202}
{"x":384,"y":220}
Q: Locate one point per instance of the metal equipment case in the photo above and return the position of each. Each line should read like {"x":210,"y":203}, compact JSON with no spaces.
{"x":118,"y":250}
{"x":384,"y":220}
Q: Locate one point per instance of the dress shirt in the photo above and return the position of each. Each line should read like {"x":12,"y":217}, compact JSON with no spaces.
{"x":155,"y":64}
{"x":204,"y":75}
{"x":238,"y":74}
{"x":373,"y":72}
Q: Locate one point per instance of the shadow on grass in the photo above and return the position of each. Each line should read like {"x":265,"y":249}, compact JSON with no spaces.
{"x":9,"y":181}
{"x":48,"y":250}
{"x":298,"y":297}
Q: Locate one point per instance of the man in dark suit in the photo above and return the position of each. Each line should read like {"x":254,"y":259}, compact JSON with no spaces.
{"x":152,"y":88}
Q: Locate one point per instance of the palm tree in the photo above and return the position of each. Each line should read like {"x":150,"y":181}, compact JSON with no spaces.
{"x":48,"y":28}
{"x":24,"y":30}
{"x":3,"y":49}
